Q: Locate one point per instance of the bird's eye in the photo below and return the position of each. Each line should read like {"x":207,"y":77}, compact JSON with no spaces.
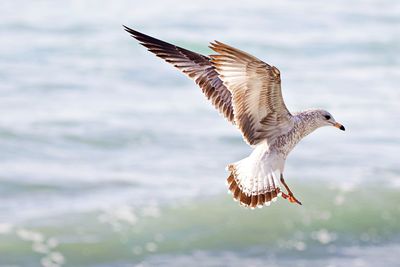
{"x":327,"y":117}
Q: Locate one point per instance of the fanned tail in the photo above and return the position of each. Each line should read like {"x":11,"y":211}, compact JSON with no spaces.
{"x":251,"y":185}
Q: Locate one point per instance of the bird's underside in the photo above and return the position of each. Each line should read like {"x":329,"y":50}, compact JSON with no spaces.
{"x":247,"y":92}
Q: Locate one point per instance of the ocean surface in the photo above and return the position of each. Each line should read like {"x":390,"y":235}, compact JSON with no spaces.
{"x":111,"y":157}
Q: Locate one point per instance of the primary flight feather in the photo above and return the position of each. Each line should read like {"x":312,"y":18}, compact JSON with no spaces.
{"x":247,"y":91}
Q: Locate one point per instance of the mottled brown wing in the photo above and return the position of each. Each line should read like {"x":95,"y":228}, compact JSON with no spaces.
{"x":196,"y":66}
{"x":259,"y":110}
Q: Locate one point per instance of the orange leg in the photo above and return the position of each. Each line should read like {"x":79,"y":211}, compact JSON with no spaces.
{"x":289,"y":195}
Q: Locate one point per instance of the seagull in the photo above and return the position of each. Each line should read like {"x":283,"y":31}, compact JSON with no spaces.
{"x":247,"y":92}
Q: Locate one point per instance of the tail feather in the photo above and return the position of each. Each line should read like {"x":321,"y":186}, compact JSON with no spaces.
{"x":250,"y":186}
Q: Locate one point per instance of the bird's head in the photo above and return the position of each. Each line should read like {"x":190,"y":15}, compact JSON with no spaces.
{"x":324,"y":118}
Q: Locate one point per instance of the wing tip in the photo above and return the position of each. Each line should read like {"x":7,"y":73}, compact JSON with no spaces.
{"x":135,"y":34}
{"x":127,"y":29}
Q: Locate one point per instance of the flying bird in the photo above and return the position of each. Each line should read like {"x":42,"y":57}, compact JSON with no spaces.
{"x":247,"y":92}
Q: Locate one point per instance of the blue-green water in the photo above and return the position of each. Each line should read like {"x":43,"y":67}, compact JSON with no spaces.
{"x":110,"y":157}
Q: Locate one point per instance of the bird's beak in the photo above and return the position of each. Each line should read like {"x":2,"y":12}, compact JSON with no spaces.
{"x":339,"y":126}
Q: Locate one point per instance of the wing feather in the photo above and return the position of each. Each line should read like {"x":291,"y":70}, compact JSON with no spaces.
{"x":259,"y":110}
{"x":196,"y":66}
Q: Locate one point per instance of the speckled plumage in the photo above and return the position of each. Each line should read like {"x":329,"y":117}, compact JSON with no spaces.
{"x":305,"y":123}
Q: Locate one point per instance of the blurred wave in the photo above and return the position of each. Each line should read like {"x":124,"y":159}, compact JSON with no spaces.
{"x":109,"y":157}
{"x":334,"y":223}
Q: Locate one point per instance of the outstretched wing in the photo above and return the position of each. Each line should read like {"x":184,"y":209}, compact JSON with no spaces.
{"x":259,"y":110}
{"x":196,"y":66}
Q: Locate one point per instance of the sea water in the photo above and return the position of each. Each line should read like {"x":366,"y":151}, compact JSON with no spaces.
{"x":111,"y":157}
